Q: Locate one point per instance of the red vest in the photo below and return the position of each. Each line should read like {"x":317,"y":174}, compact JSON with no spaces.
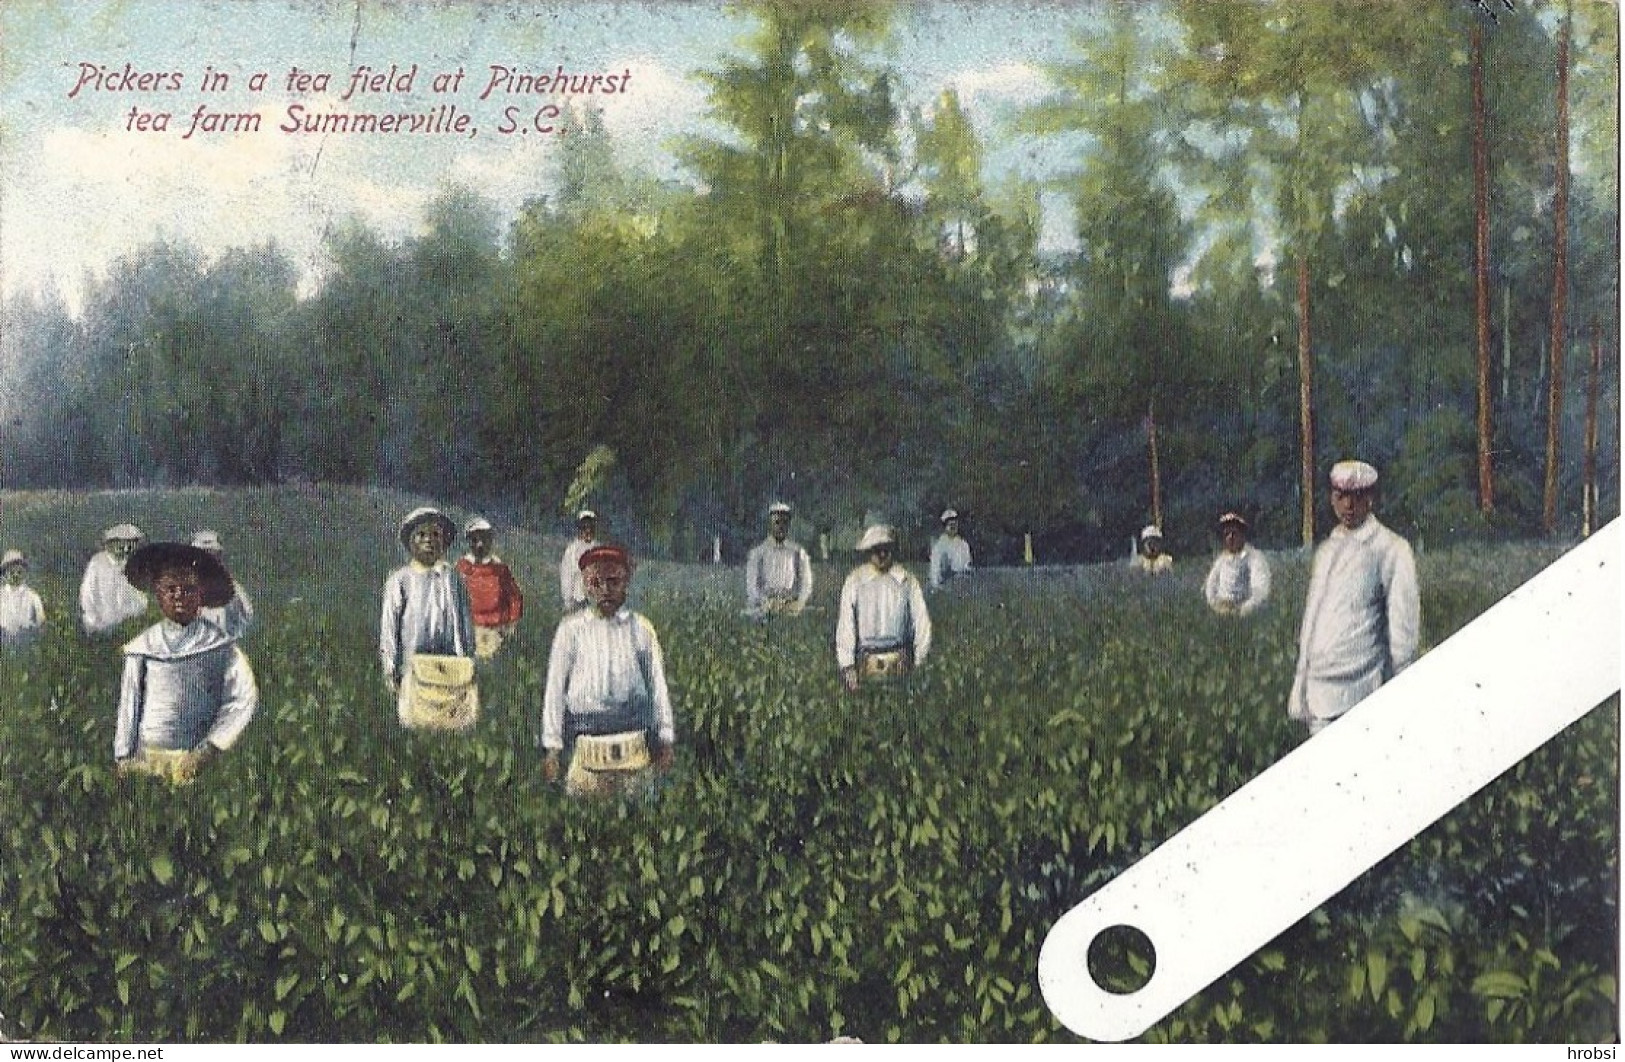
{"x":493,"y":593}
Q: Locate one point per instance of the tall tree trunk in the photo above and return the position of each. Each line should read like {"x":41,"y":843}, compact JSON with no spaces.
{"x":1560,"y":278}
{"x":1156,"y":470}
{"x":1506,"y":345}
{"x":1306,"y":483}
{"x":1481,"y":219}
{"x":1590,"y":480}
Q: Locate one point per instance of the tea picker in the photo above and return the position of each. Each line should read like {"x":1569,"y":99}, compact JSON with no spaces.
{"x":188,"y":691}
{"x":607,"y":706}
{"x":882,"y":630}
{"x":426,"y":630}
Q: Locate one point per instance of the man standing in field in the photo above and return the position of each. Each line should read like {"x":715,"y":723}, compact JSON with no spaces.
{"x":1363,"y":616}
{"x":572,"y":589}
{"x":426,"y":613}
{"x":238,"y":614}
{"x":106,"y":598}
{"x":188,"y":691}
{"x":22,"y":613}
{"x":950,"y":554}
{"x":882,"y":630}
{"x":778,"y":571}
{"x":1238,"y":584}
{"x":1151,"y":559}
{"x":492,"y":590}
{"x":606,"y":700}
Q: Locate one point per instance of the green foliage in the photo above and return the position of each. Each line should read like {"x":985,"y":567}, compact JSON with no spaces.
{"x":840,"y":304}
{"x":590,"y":478}
{"x":882,"y":865}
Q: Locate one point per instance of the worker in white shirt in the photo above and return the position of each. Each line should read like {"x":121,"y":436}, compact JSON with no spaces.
{"x":572,"y":589}
{"x":188,"y":691}
{"x":1238,"y":584}
{"x":882,"y":630}
{"x":426,"y":611}
{"x":238,"y":614}
{"x":778,"y":571}
{"x":106,"y":598}
{"x":22,"y":613}
{"x":950,"y":553}
{"x":1151,"y":559}
{"x":607,"y":705}
{"x":1363,"y":615}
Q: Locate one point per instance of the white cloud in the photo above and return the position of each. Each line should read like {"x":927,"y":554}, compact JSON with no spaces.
{"x":1010,"y":82}
{"x":657,"y":105}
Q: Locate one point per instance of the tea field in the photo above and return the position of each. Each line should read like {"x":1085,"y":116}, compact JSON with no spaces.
{"x":883,"y":865}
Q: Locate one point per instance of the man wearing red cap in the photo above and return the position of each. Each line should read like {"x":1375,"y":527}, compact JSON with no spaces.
{"x":606,"y":700}
{"x":1363,"y":616}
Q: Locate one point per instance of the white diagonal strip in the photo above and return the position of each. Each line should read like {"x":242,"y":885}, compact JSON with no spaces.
{"x":1291,"y":838}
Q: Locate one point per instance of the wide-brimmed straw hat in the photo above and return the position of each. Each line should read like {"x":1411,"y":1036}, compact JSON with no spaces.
{"x":151,"y":560}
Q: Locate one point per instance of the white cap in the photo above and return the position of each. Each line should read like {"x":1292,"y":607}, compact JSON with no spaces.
{"x":877,"y":535}
{"x":209,"y":540}
{"x":586,"y":514}
{"x":1353,"y":475}
{"x":779,"y":507}
{"x":123,"y":533}
{"x":12,"y":556}
{"x":1150,"y":531}
{"x":949,"y":514}
{"x":479,"y":523}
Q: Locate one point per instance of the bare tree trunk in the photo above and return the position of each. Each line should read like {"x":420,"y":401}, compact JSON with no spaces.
{"x":1560,"y":279}
{"x":1589,"y":490}
{"x":1156,"y":471}
{"x":1481,"y":218}
{"x":1506,"y":346}
{"x":1306,"y":483}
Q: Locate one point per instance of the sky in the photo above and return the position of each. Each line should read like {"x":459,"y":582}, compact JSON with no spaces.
{"x":82,"y":183}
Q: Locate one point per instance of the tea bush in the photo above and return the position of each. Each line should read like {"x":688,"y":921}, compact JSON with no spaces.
{"x":883,"y":865}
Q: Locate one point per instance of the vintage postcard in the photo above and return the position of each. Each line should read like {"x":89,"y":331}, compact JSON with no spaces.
{"x":577,"y":522}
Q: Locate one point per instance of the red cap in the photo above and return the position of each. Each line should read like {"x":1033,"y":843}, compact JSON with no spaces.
{"x":605,"y":554}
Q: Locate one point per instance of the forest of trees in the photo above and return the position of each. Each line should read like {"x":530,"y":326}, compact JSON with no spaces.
{"x":840,"y":308}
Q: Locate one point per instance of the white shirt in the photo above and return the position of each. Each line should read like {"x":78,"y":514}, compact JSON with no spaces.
{"x":236,"y":616}
{"x":572,"y":586}
{"x":1361,"y":621}
{"x":1238,"y":582}
{"x":106,"y":598}
{"x":426,"y":610}
{"x":183,"y":686}
{"x":606,"y":676}
{"x":950,"y":556}
{"x":881,"y":611}
{"x":781,"y":570}
{"x":22,"y":613}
